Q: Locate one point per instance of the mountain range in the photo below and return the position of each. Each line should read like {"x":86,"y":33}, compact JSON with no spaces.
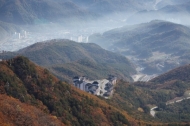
{"x":169,"y":92}
{"x":36,"y":81}
{"x":174,"y":11}
{"x":52,"y":100}
{"x":67,"y":59}
{"x":155,"y":45}
{"x":43,"y":94}
{"x":35,"y":12}
{"x":112,"y":6}
{"x":164,"y":3}
{"x":6,"y":29}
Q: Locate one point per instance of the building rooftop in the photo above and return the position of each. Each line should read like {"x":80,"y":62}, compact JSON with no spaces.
{"x":76,"y":77}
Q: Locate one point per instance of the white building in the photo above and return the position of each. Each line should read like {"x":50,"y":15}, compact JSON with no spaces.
{"x":19,"y":37}
{"x":80,"y":38}
{"x":87,"y":39}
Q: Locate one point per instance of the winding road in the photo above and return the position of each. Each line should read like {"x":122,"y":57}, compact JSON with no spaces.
{"x":152,"y":110}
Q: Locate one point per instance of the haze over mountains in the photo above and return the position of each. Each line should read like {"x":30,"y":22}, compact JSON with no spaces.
{"x":163,"y":3}
{"x":67,"y":59}
{"x":70,"y":18}
{"x":156,"y":46}
{"x":173,"y":11}
{"x":138,"y":42}
{"x":33,"y":11}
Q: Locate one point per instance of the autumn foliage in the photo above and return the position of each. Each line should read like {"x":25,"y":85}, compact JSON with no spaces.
{"x":33,"y":85}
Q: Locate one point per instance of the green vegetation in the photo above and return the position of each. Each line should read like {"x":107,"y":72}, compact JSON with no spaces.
{"x":66,"y":59}
{"x":31,"y":84}
{"x":145,"y":42}
{"x":178,"y":112}
{"x":137,"y":98}
{"x":180,"y":74}
{"x":15,"y":113}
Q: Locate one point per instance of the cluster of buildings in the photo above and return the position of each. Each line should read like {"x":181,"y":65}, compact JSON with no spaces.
{"x":23,"y":38}
{"x":82,"y":39}
{"x":102,"y":87}
{"x":21,"y":35}
{"x":79,"y":38}
{"x":1,"y":54}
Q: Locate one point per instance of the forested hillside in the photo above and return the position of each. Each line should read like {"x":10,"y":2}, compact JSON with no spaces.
{"x":169,"y":91}
{"x":156,"y":46}
{"x":138,"y":99}
{"x":67,"y":59}
{"x":179,"y":74}
{"x":34,"y":85}
{"x":15,"y":113}
{"x":23,"y":12}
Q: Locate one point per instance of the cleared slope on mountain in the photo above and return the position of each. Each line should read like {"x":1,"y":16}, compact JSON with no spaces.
{"x":157,"y":45}
{"x":31,"y":84}
{"x":14,"y":113}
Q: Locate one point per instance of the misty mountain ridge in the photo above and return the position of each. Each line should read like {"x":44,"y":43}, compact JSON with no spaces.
{"x":180,"y":8}
{"x":146,"y":41}
{"x":154,"y":28}
{"x":163,"y":3}
{"x":178,"y":13}
{"x":159,"y":44}
{"x":34,"y":12}
{"x":102,"y":7}
{"x":6,"y":29}
{"x":47,"y":16}
{"x":67,"y":59}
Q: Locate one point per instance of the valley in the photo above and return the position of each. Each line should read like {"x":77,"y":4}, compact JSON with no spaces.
{"x":94,"y":62}
{"x":19,"y":40}
{"x":66,"y":59}
{"x":158,"y":48}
